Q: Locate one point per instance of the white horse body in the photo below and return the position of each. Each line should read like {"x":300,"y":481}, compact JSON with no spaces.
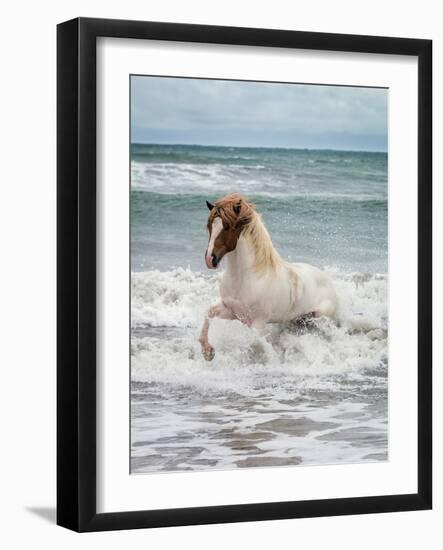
{"x":274,"y":295}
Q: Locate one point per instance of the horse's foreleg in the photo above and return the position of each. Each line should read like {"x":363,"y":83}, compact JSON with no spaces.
{"x":218,"y":310}
{"x":207,"y":349}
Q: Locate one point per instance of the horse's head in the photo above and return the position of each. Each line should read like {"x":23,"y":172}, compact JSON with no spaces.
{"x":227,"y":218}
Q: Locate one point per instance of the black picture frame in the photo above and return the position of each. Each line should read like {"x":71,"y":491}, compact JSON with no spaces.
{"x":76,"y":273}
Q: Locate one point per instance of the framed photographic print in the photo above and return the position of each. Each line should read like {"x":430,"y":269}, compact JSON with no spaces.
{"x":244,"y":274}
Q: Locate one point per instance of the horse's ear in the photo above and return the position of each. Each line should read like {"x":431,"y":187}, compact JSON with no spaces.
{"x":209,"y":205}
{"x":237,"y":208}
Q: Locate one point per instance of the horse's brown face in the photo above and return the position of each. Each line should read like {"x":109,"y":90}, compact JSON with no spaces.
{"x":223,"y":234}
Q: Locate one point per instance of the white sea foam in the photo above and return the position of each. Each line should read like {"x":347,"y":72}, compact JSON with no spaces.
{"x":168,"y":309}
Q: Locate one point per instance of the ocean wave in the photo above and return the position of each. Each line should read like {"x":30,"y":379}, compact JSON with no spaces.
{"x":258,"y":179}
{"x":195,"y":177}
{"x":200,"y":153}
{"x":270,"y":199}
{"x":349,"y":356}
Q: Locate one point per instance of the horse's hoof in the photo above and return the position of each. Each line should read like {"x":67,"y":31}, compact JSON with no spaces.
{"x":209,"y":353}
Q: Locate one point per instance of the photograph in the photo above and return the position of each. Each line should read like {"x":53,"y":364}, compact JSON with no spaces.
{"x":259,"y":274}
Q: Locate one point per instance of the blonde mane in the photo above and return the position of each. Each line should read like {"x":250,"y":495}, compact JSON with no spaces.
{"x":235,"y":209}
{"x":266,"y":257}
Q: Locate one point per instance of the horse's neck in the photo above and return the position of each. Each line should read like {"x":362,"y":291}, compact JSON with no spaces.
{"x":241,"y":260}
{"x":253,"y":254}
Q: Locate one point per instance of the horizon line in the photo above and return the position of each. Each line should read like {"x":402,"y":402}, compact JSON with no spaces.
{"x":263,"y":147}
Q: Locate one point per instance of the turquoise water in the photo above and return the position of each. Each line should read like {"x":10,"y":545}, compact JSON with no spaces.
{"x":328,"y":208}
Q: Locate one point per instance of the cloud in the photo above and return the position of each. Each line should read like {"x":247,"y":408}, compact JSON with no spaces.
{"x":180,"y":110}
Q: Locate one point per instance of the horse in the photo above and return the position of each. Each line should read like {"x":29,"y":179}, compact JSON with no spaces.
{"x":258,"y":286}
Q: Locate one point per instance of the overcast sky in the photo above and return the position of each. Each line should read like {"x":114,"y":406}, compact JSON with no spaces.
{"x":255,"y":114}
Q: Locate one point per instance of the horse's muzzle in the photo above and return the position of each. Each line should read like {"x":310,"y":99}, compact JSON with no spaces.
{"x":211,"y":261}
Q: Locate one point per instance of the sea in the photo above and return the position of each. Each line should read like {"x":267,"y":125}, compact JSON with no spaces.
{"x":297,"y":396}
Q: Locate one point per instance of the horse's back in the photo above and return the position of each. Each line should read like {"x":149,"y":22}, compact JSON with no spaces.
{"x":308,"y":271}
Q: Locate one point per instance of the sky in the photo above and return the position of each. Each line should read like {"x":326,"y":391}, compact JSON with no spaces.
{"x":257,"y":114}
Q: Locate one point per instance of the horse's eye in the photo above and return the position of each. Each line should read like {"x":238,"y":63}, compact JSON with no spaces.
{"x":225,"y":226}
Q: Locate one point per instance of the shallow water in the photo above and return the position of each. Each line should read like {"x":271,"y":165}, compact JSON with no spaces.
{"x":229,"y":431}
